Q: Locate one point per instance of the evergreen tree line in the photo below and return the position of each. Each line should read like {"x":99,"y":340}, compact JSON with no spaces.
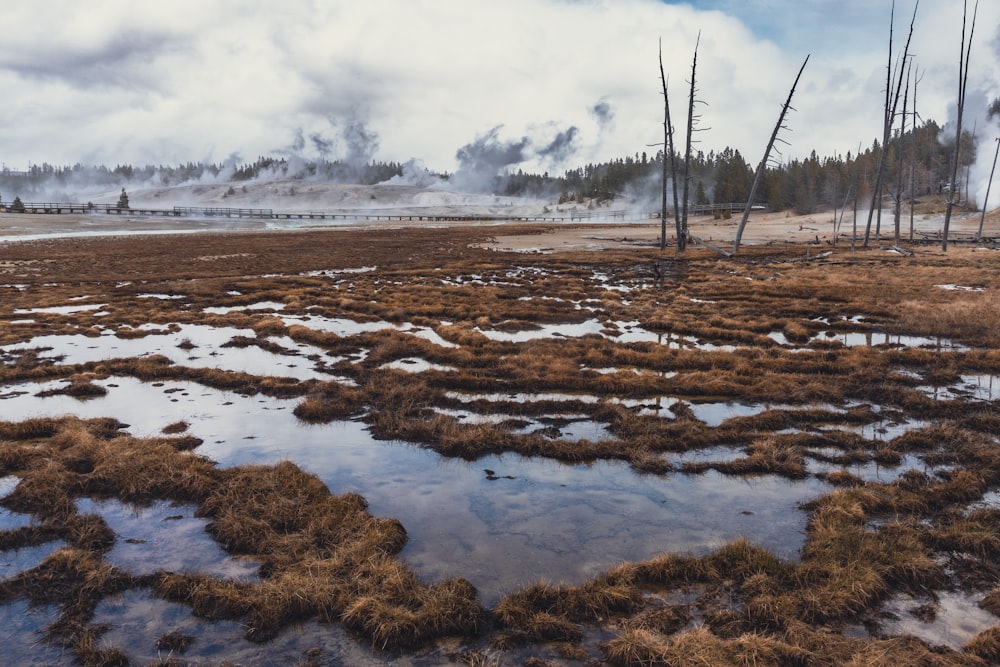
{"x":47,"y":178}
{"x":803,"y":185}
{"x":336,"y":171}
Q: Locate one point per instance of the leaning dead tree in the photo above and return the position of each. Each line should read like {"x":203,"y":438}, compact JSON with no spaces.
{"x":963,"y":76}
{"x":668,"y":153}
{"x":682,"y":230}
{"x":767,"y":154}
{"x":989,"y":185}
{"x":891,"y":102}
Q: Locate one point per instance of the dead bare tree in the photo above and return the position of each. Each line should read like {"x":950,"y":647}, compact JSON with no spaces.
{"x":682,"y":232}
{"x":963,"y":76}
{"x":913,"y":146}
{"x":668,"y":153}
{"x":780,"y":125}
{"x":891,"y":101}
{"x":897,"y":196}
{"x":847,"y":200}
{"x":857,"y":187}
{"x":989,"y":185}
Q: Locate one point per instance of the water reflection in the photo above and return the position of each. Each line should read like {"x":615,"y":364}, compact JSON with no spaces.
{"x":956,"y":618}
{"x":21,"y":627}
{"x":192,"y":345}
{"x":874,"y":339}
{"x":16,"y":561}
{"x":138,"y":621}
{"x":551,"y":521}
{"x":164,"y":536}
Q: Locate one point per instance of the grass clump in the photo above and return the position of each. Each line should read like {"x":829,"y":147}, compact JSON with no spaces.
{"x":321,"y":555}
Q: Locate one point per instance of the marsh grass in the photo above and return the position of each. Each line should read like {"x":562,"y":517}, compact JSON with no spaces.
{"x":328,"y":402}
{"x":321,"y":555}
{"x":324,"y":556}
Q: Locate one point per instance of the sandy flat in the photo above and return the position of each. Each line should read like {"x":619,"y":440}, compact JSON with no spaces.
{"x":761,"y":228}
{"x":559,"y":234}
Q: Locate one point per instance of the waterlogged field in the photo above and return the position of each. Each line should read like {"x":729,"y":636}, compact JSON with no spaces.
{"x":360,"y":447}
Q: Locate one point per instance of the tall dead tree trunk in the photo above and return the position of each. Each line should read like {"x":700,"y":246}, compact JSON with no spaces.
{"x":668,"y":153}
{"x":989,"y":185}
{"x":763,"y":162}
{"x":889,"y":117}
{"x":854,"y":229}
{"x":683,"y":227}
{"x":898,"y":194}
{"x":963,"y":76}
{"x":852,"y":188}
{"x":843,"y":209}
{"x":913,"y":147}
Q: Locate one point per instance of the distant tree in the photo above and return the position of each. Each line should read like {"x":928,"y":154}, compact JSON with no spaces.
{"x":17,"y":206}
{"x":775,"y":191}
{"x":700,"y":197}
{"x":123,"y":199}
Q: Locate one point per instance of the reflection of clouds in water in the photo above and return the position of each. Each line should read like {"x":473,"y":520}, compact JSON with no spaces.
{"x":874,"y":338}
{"x":552,"y":521}
{"x":164,"y":536}
{"x":138,"y":620}
{"x":21,"y":635}
{"x":958,"y":618}
{"x":568,"y":523}
{"x":202,"y":348}
{"x":148,"y":407}
{"x":345,"y":327}
{"x":16,"y":561}
{"x":873,"y":471}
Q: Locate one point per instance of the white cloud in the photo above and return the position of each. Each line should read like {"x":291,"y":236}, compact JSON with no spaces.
{"x":114,"y":81}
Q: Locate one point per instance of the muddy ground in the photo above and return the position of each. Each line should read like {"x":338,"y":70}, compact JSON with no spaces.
{"x":872,"y":374}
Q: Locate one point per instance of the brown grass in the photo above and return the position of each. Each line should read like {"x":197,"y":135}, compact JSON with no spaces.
{"x":321,"y":555}
{"x":324,"y":556}
{"x":329,"y":402}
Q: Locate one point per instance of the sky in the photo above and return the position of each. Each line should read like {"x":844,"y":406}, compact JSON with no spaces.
{"x":542,"y":85}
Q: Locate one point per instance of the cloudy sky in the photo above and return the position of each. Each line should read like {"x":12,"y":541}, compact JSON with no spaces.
{"x":556,"y":83}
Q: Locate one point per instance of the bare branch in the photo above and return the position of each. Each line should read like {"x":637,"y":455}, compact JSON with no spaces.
{"x":963,"y":76}
{"x":889,"y":113}
{"x":763,"y":163}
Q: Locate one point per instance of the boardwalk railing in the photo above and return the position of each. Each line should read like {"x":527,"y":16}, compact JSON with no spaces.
{"x":56,"y":208}
{"x":224,"y":212}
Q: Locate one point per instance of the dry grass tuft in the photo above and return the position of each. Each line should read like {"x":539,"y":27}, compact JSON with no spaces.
{"x":991,"y":602}
{"x":175,"y":428}
{"x":986,"y":645}
{"x":548,"y":613}
{"x":700,"y":647}
{"x":331,"y":401}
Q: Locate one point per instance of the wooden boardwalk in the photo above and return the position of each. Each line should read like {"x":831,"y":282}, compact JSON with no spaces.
{"x":370,"y":215}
